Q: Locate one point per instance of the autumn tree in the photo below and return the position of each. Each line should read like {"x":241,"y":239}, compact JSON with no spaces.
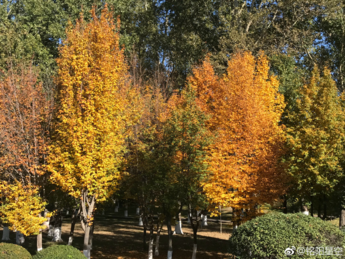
{"x":167,"y":159}
{"x":315,"y":138}
{"x":21,"y":207}
{"x":88,"y":142}
{"x":25,"y":120}
{"x":187,"y":138}
{"x":139,"y":183}
{"x":246,"y":109}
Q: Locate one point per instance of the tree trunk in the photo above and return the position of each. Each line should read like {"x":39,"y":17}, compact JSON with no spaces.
{"x":204,"y":219}
{"x":137,"y":211}
{"x":117,"y":205}
{"x":234,"y":220}
{"x":342,"y":218}
{"x":57,"y":235}
{"x":144,"y":238}
{"x":74,"y":221}
{"x":51,"y":227}
{"x":39,"y":238}
{"x":150,"y":255}
{"x":178,"y":227}
{"x":141,"y":221}
{"x":39,"y":241}
{"x":91,"y":235}
{"x":159,"y":229}
{"x":312,"y":206}
{"x":5,"y":234}
{"x":285,"y":204}
{"x":170,"y":247}
{"x":86,"y":246}
{"x":195,"y":236}
{"x":85,"y":220}
{"x":126,"y":210}
{"x":19,"y":238}
{"x":324,"y":207}
{"x":319,"y":208}
{"x":57,"y":223}
{"x":220,"y":219}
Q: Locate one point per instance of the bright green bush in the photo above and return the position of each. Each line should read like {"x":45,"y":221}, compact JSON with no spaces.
{"x":270,"y":235}
{"x":13,"y":251}
{"x":59,"y":252}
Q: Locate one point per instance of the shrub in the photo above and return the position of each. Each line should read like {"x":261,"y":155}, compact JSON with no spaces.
{"x":270,"y":235}
{"x":59,"y":252}
{"x":13,"y":251}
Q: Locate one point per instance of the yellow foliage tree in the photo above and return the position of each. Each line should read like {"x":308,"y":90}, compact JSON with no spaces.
{"x":245,"y":109}
{"x":20,"y":208}
{"x":93,"y":95}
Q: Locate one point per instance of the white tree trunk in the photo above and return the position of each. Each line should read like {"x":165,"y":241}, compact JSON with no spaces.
{"x":306,"y":213}
{"x":150,"y":256}
{"x":178,"y":228}
{"x":5,"y":234}
{"x":126,"y":213}
{"x":57,"y":235}
{"x":117,"y":208}
{"x":235,"y":226}
{"x":170,"y":254}
{"x":19,"y":238}
{"x":87,"y":253}
{"x":39,"y":242}
{"x":195,"y":248}
{"x":141,"y":221}
{"x":67,"y":212}
{"x":70,"y":240}
{"x":138,"y":211}
{"x":157,"y":246}
{"x":204,"y":220}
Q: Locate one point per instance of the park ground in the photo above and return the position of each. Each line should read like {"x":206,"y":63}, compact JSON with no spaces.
{"x":118,"y":237}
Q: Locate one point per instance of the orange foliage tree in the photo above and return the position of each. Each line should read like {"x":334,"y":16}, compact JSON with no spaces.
{"x":24,"y":118}
{"x":25,"y":115}
{"x":245,"y":109}
{"x":89,"y":138}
